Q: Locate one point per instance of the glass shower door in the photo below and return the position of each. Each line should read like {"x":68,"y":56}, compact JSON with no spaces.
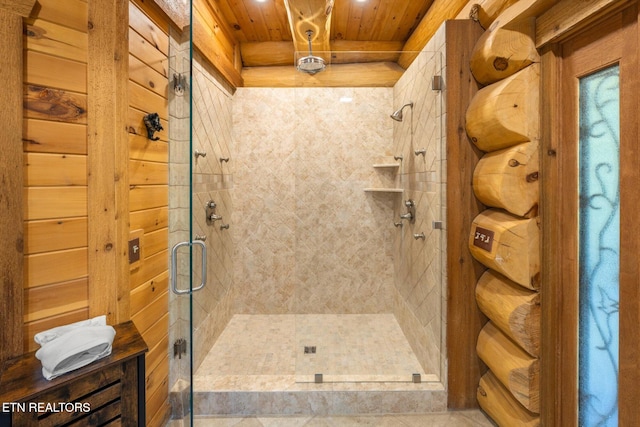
{"x":188,"y":255}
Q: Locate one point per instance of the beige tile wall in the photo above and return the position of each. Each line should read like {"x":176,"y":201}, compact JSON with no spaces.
{"x":309,"y":239}
{"x":419,"y":265}
{"x":304,"y":237}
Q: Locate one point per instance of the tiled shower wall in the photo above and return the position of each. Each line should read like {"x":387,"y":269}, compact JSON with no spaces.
{"x":420,"y":275}
{"x":304,"y":236}
{"x":212,"y":179}
{"x":308,"y":238}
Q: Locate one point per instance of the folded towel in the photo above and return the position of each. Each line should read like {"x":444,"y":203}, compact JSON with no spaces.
{"x":75,"y":348}
{"x":51,"y":334}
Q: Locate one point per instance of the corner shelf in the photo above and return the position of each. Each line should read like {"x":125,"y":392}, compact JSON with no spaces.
{"x":384,"y":190}
{"x":386,"y":162}
{"x":386,"y":165}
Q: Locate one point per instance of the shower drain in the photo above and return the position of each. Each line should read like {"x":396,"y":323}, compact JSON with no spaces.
{"x":309,"y":349}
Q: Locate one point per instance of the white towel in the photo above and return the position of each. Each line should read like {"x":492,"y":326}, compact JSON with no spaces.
{"x":70,"y":347}
{"x":51,"y":334}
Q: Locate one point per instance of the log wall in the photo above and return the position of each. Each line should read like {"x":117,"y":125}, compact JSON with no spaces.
{"x":503,"y":121}
{"x":148,"y":198}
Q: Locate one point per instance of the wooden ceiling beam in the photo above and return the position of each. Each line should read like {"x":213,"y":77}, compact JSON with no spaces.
{"x":314,"y":15}
{"x":440,"y":11}
{"x":218,"y":47}
{"x":346,"y":51}
{"x":375,"y":74}
{"x":262,"y":54}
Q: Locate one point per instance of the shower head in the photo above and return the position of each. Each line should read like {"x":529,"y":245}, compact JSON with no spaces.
{"x":397,"y":115}
{"x":310,"y":64}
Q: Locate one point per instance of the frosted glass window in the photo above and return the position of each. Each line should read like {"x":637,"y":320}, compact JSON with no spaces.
{"x":599,"y":234}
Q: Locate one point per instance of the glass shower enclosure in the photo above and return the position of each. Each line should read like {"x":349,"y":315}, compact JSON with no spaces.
{"x":288,"y":210}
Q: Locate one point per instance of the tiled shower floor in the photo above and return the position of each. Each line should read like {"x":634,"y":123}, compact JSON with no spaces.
{"x":267,"y":352}
{"x":258,"y":368}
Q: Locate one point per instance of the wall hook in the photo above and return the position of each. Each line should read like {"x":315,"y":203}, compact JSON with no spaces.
{"x":152,"y":122}
{"x":421,"y":152}
{"x":419,"y":236}
{"x":197,"y":154}
{"x":224,"y":159}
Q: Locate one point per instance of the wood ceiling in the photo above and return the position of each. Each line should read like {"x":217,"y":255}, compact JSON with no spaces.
{"x":380,"y":20}
{"x":265,"y":33}
{"x":367,"y":43}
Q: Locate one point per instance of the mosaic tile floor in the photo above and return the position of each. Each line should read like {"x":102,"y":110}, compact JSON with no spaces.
{"x":267,"y":352}
{"x":258,"y":368}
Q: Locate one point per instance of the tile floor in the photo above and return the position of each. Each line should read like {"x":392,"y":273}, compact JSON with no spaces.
{"x":258,"y":375}
{"x":442,"y":419}
{"x":266,"y":352}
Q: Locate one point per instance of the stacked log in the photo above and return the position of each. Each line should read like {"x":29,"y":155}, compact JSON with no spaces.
{"x":502,"y":121}
{"x":512,"y":309}
{"x":508,"y":179}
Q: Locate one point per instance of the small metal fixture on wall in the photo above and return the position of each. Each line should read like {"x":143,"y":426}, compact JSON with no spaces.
{"x":210,"y":212}
{"x":179,"y":84}
{"x":179,"y":348}
{"x":410,"y":215}
{"x":152,"y":122}
{"x":397,"y":115}
{"x":436,"y":83}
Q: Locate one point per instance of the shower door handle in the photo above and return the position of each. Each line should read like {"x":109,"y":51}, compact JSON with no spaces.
{"x":174,"y":267}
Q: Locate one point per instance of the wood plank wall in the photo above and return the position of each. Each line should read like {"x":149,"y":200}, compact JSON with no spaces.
{"x":56,"y":196}
{"x":148,"y":203}
{"x":55,"y":164}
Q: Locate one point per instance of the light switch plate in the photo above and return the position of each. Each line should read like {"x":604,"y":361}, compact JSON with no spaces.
{"x":135,"y":248}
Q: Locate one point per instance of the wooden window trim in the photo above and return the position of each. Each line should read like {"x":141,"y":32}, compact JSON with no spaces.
{"x":559,"y":390}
